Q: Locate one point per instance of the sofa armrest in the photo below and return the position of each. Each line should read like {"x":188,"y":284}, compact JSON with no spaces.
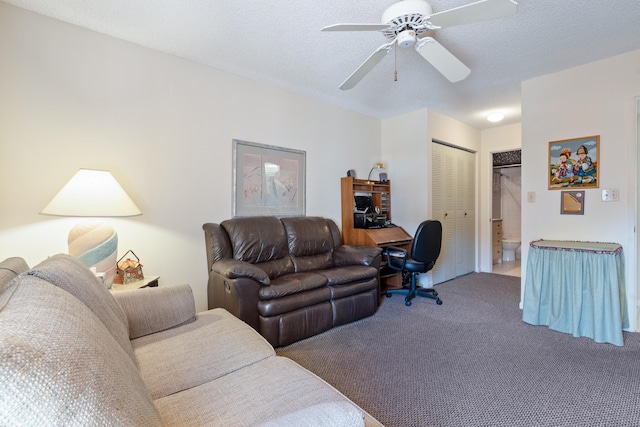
{"x":356,"y":255}
{"x":236,"y":269}
{"x":151,"y":310}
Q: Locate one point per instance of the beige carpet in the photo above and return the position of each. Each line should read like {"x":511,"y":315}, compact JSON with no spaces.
{"x":473,"y":362}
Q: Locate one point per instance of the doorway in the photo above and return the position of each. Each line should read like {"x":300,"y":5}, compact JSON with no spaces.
{"x":506,"y":213}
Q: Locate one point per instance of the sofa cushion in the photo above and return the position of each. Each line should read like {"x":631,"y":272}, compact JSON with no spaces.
{"x":216,"y":344}
{"x":67,"y":273}
{"x":312,"y":262}
{"x":256,"y":239}
{"x":354,"y":273}
{"x":308,"y":236}
{"x":150,"y":310}
{"x":292,"y":284}
{"x":273,"y":388}
{"x":60,"y":366}
{"x":334,"y":414}
{"x":349,"y":255}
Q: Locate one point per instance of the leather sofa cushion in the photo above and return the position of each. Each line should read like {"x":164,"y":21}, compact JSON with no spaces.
{"x":301,"y":301}
{"x":308,"y":236}
{"x":292,"y":284}
{"x":350,"y":255}
{"x":354,"y":273}
{"x":341,"y":291}
{"x":313,"y":262}
{"x":256,"y":239}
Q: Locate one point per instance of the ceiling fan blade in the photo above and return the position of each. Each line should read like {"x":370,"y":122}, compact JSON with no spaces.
{"x":479,"y":11}
{"x":443,"y":60}
{"x":356,"y":27}
{"x":367,"y":65}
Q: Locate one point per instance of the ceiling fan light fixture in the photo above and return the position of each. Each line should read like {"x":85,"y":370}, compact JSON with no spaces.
{"x":407,"y":38}
{"x":495,"y":116}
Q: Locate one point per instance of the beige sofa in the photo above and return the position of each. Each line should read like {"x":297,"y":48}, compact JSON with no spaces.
{"x":72,"y":353}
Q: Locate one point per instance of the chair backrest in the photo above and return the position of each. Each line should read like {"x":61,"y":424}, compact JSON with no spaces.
{"x":427,"y":242}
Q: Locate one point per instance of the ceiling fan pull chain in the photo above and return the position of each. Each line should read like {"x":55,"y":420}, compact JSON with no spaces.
{"x":395,"y":65}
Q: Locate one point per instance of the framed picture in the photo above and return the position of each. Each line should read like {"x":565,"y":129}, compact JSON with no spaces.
{"x":268,"y":180}
{"x":572,"y":203}
{"x":574,"y":163}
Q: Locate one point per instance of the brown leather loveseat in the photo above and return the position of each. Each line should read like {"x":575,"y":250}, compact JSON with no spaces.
{"x":290,"y":278}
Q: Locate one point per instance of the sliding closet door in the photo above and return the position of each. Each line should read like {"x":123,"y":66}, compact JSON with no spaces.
{"x":453,"y":204}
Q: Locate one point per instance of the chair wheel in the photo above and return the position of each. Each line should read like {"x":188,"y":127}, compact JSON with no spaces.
{"x":407,"y":303}
{"x":435,"y":294}
{"x":438,"y":301}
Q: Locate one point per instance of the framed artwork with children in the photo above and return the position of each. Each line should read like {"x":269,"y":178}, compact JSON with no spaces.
{"x":573,"y":163}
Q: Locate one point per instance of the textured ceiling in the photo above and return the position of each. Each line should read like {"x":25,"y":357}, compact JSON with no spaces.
{"x":279,"y":42}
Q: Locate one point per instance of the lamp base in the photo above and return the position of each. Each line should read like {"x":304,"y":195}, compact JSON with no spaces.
{"x":95,"y":244}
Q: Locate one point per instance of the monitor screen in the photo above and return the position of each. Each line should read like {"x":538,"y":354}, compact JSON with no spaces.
{"x":364,"y":204}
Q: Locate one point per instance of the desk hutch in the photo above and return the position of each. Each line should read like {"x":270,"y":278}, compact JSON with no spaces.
{"x":382,"y":237}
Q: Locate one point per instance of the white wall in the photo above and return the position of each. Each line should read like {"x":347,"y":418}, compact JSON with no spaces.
{"x":493,"y":140}
{"x":406,"y":149}
{"x":406,"y":156}
{"x":594,"y":99}
{"x":71,"y":99}
{"x":511,"y":205}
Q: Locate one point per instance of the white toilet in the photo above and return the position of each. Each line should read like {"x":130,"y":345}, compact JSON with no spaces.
{"x":509,"y":249}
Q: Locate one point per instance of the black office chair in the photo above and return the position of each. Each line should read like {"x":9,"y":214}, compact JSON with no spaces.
{"x":424,"y":253}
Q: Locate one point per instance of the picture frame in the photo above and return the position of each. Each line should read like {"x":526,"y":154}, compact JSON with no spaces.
{"x":268,"y":180}
{"x":572,"y":202}
{"x":574,"y":163}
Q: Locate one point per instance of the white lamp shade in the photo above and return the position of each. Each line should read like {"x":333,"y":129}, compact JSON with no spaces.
{"x":92,"y":193}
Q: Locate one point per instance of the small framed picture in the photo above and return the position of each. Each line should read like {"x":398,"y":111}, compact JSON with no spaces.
{"x":572,"y":203}
{"x":574,"y":163}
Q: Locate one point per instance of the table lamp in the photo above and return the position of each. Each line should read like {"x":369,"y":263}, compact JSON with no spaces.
{"x":376,"y":166}
{"x":93,"y":193}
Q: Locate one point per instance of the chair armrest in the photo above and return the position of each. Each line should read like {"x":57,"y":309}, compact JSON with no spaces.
{"x":396,"y":257}
{"x":151,"y":310}
{"x":345,"y":255}
{"x":235,"y":269}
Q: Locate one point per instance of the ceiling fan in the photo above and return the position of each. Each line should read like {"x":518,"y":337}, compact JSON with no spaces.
{"x":406,"y":23}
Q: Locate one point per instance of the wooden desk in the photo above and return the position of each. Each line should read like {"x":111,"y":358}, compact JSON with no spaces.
{"x":383,"y":237}
{"x":392,"y":236}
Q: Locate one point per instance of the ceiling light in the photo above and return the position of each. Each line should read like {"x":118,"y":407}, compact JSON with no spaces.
{"x":496,"y":116}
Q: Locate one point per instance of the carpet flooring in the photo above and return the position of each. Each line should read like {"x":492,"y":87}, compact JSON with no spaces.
{"x":472,"y":362}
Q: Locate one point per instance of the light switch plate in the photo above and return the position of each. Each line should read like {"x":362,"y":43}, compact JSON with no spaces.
{"x":610,"y":195}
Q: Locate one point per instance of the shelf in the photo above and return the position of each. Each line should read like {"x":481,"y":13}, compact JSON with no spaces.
{"x":381,"y":237}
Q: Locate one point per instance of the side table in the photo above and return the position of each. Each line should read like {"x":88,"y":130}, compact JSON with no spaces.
{"x":147,"y":282}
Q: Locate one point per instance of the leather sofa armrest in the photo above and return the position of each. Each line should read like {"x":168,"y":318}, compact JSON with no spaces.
{"x":356,"y":255}
{"x":235,"y":269}
{"x":151,"y":310}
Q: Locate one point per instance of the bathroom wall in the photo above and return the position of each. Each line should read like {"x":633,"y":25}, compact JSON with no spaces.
{"x":510,"y":201}
{"x":496,"y":194}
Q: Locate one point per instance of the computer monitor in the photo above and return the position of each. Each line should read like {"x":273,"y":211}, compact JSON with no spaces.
{"x":364,"y":203}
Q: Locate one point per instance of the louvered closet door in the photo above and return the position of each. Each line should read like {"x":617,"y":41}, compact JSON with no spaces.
{"x":453,"y":204}
{"x":443,"y":209}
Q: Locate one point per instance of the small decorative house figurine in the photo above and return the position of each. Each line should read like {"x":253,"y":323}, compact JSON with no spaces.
{"x":129,"y":270}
